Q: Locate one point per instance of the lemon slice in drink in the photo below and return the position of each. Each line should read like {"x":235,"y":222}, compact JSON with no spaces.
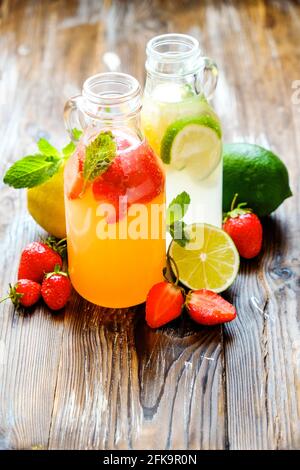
{"x":193,"y":143}
{"x":209,"y":260}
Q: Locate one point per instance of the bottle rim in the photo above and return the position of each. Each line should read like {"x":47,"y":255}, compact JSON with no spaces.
{"x":112,"y":89}
{"x":172,"y":49}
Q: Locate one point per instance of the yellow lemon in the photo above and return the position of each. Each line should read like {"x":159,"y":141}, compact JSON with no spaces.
{"x":46,"y":204}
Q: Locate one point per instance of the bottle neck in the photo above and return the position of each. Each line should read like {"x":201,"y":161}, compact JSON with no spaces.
{"x":111,"y":100}
{"x":173,"y":56}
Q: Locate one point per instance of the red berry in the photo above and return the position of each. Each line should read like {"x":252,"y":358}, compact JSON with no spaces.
{"x":25,"y":292}
{"x":115,"y":174}
{"x":37,"y":259}
{"x":246,"y":232}
{"x":107,"y":192}
{"x":143,"y":174}
{"x":208,"y":308}
{"x":56,"y":289}
{"x":73,"y":174}
{"x":245,"y":229}
{"x":122,"y":143}
{"x":164,"y":304}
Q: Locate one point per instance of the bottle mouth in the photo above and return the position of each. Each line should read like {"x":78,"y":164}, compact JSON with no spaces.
{"x":176,"y":54}
{"x":115,"y":93}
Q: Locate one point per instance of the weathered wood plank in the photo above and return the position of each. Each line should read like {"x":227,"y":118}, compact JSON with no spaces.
{"x":122,"y":385}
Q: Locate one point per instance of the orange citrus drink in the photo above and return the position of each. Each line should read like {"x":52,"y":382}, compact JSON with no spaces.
{"x":116,"y":223}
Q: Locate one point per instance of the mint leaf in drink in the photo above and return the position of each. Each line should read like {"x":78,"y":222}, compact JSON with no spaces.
{"x":99,"y":154}
{"x":31,"y":171}
{"x":69,"y":149}
{"x":76,"y":133}
{"x":46,"y":148}
{"x":177,"y":208}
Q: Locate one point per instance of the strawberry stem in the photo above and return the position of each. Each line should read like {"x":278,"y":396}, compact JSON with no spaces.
{"x":60,"y":246}
{"x":56,"y":271}
{"x":172,"y":261}
{"x":234,"y":201}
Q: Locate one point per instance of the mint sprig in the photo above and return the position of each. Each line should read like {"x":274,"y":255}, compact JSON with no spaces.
{"x":36,"y":169}
{"x":47,"y":149}
{"x":175,"y":213}
{"x":99,"y":154}
{"x":31,"y":171}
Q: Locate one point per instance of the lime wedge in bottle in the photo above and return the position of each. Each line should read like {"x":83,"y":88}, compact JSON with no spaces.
{"x":193,"y":143}
{"x":209,"y":260}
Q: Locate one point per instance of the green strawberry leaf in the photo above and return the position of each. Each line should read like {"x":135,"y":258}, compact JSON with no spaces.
{"x":177,"y":208}
{"x":99,"y":155}
{"x":46,"y":148}
{"x":31,"y":171}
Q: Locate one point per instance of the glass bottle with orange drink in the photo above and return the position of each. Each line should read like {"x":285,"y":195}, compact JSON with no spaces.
{"x":114,"y":196}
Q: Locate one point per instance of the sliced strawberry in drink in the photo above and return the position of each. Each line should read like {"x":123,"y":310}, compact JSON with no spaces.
{"x":109,"y":194}
{"x":144,"y":176}
{"x":115,"y":174}
{"x":122,"y":143}
{"x":73,"y":175}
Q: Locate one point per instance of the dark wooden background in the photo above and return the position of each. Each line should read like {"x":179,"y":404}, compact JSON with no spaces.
{"x":91,"y":378}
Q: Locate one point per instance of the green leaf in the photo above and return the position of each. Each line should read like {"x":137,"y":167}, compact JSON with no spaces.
{"x":47,"y":149}
{"x":76,"y":133}
{"x":69,"y":149}
{"x":177,"y":231}
{"x":177,"y":208}
{"x":31,"y":171}
{"x":99,"y":155}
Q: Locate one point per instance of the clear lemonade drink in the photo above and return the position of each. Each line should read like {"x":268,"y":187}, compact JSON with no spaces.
{"x":114,"y":196}
{"x":181,"y":126}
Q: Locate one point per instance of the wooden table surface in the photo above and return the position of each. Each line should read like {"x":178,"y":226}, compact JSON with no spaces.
{"x":91,"y":378}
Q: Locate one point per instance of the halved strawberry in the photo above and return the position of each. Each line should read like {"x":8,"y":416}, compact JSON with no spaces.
{"x":122,"y":143}
{"x":164,"y":304}
{"x":208,"y":308}
{"x":144,"y":176}
{"x":107,"y":192}
{"x":73,"y":176}
{"x":115,"y":174}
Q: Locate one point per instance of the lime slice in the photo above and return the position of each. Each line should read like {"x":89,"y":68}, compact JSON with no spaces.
{"x":209,"y":260}
{"x":193,"y":143}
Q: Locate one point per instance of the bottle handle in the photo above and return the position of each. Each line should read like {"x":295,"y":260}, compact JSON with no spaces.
{"x":209,"y":78}
{"x":72,"y":116}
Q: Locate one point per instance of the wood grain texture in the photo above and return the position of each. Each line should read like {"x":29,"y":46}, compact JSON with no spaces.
{"x":94,"y":378}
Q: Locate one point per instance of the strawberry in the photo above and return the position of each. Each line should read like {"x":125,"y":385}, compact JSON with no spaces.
{"x":122,"y":143}
{"x":56,"y":289}
{"x":164,"y":304}
{"x":107,"y":192}
{"x":24,"y":293}
{"x":38,"y":258}
{"x":143,"y":174}
{"x":115,"y":174}
{"x":245,"y":229}
{"x":136,"y":174}
{"x":208,"y":308}
{"x":73,"y":175}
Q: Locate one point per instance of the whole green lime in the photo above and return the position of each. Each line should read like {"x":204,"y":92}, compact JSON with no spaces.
{"x":258,"y":176}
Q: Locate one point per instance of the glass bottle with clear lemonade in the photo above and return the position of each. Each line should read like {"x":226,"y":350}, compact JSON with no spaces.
{"x":181,"y":125}
{"x":114,"y":196}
